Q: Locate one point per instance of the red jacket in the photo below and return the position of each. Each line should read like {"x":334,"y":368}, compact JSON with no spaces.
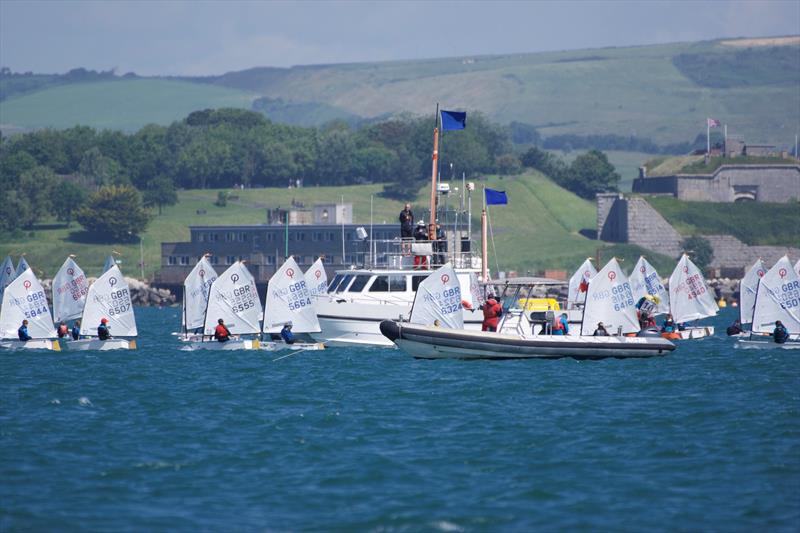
{"x":491,"y":314}
{"x":221,"y":332}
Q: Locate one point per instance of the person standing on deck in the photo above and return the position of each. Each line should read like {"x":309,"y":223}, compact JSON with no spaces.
{"x":420,"y":234}
{"x":492,"y":311}
{"x":406,"y":223}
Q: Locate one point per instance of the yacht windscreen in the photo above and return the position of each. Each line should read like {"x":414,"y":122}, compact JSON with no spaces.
{"x":335,"y":283}
{"x":359,"y":283}
{"x":345,"y":282}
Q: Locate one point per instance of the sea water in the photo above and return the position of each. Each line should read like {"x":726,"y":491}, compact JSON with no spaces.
{"x":707,"y":438}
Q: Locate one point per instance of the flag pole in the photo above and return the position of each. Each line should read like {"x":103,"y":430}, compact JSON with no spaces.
{"x":484,"y":242}
{"x":708,"y":137}
{"x":435,"y":167}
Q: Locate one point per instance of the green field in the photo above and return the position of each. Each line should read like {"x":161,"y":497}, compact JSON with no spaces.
{"x":538,"y":229}
{"x":664,"y":92}
{"x":123,"y":104}
{"x":753,"y":223}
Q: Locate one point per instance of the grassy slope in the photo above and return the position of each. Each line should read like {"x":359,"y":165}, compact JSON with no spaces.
{"x":538,"y":229}
{"x":123,"y":104}
{"x":751,"y":222}
{"x":633,"y":90}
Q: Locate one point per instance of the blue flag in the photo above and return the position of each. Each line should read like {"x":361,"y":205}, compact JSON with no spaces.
{"x":494,"y":197}
{"x":454,"y":120}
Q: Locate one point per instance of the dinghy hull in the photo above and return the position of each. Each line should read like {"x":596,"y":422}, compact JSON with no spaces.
{"x":84,"y":345}
{"x":427,"y":342}
{"x":240,"y":344}
{"x":749,"y":344}
{"x":696,"y":332}
{"x":35,"y":344}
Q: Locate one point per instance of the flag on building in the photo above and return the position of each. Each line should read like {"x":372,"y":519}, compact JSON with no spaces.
{"x":713,"y":123}
{"x":496,"y":197}
{"x":454,"y":120}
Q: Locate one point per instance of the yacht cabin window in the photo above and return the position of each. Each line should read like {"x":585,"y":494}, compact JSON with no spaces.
{"x":345,"y":282}
{"x":335,"y":283}
{"x":381,"y":284}
{"x":359,"y":283}
{"x":416,"y":280}
{"x":397,"y":283}
{"x":393,"y":283}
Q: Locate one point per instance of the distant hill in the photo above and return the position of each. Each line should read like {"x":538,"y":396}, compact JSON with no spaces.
{"x":664,"y":92}
{"x":124,"y":104}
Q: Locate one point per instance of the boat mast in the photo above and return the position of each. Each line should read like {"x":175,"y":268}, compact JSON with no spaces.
{"x":435,"y":167}
{"x":484,"y":242}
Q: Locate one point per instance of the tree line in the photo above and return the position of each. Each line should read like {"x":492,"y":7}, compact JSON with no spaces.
{"x":61,"y":172}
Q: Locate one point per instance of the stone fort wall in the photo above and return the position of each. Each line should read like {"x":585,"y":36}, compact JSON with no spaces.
{"x":762,"y":183}
{"x":633,"y":220}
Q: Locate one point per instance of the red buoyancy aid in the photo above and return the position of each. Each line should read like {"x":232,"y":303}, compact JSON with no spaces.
{"x":491,"y":313}
{"x":221,"y":332}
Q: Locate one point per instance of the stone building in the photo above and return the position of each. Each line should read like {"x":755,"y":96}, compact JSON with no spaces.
{"x":729,"y":183}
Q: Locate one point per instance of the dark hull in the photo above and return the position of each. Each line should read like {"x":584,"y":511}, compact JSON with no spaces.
{"x":440,"y":343}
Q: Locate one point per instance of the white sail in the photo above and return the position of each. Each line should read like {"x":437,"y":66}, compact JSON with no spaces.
{"x":289,"y":300}
{"x":578,"y":283}
{"x":438,"y":297}
{"x":25,"y":299}
{"x":475,"y":291}
{"x":645,"y":280}
{"x":110,"y":298}
{"x":6,"y":275}
{"x":196,"y":288}
{"x":689,"y":297}
{"x":748,"y":286}
{"x":22,"y":266}
{"x":317,"y":279}
{"x":234,"y":298}
{"x":70,"y":288}
{"x":797,"y":267}
{"x":778,"y":298}
{"x":609,"y":299}
{"x":109,"y":264}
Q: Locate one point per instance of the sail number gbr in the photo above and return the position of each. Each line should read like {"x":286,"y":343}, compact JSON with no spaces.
{"x":37,"y":305}
{"x":120,"y":302}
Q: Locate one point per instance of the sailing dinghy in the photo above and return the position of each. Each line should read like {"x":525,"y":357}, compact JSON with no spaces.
{"x":691,"y":299}
{"x":233,"y":297}
{"x":748,"y":286}
{"x":196,"y":288}
{"x":108,"y":298}
{"x":22,"y":266}
{"x":317,"y":280}
{"x":6,"y":275}
{"x":25,"y":299}
{"x":777,"y":298}
{"x":435,"y":330}
{"x":578,"y":283}
{"x":70,"y":288}
{"x":645,"y":281}
{"x":289,"y":301}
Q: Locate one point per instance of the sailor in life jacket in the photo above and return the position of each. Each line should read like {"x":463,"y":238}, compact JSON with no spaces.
{"x":561,"y":326}
{"x":103,"y":332}
{"x":62,"y":330}
{"x":492,"y":311}
{"x":221,"y":332}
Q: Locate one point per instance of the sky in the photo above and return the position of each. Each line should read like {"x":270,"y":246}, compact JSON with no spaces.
{"x":209,"y":37}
